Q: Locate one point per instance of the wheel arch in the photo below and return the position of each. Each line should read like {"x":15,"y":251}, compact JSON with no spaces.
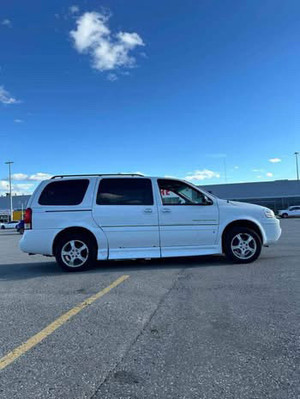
{"x":75,"y":230}
{"x":243,"y":223}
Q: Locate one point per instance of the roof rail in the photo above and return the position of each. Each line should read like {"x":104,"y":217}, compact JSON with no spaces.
{"x":103,"y":174}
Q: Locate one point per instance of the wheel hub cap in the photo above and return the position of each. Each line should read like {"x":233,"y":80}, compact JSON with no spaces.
{"x":74,"y":253}
{"x":243,"y":245}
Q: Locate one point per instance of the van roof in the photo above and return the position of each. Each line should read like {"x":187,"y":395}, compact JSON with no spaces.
{"x":98,"y":174}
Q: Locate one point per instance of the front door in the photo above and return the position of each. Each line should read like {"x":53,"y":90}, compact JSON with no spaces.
{"x":188,"y":220}
{"x":126,"y":212}
{"x":295,"y":211}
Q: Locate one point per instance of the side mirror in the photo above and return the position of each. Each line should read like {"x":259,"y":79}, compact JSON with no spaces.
{"x":207,"y":201}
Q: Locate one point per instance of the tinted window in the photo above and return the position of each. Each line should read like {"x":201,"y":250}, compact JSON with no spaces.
{"x":175,"y":192}
{"x":125,"y":192}
{"x":65,"y":192}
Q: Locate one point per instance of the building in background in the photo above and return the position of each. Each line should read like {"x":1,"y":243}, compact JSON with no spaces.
{"x":19,"y":206}
{"x":278,"y":194}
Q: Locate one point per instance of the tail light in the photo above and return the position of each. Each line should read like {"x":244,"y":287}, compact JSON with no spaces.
{"x":28,"y":219}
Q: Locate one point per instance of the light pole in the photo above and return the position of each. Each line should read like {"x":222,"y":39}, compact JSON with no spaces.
{"x":10,"y":196}
{"x":297,"y":166}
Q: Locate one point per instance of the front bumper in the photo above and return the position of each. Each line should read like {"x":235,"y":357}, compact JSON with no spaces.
{"x":272,"y":231}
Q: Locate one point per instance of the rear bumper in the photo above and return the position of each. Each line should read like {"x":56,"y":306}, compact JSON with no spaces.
{"x":272,"y":231}
{"x":38,"y":241}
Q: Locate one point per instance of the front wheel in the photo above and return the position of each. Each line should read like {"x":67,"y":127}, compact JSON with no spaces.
{"x":284,"y":215}
{"x":242,"y":245}
{"x":75,"y":253}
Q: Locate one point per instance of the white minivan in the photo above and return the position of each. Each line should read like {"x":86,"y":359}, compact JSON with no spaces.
{"x":83,"y":218}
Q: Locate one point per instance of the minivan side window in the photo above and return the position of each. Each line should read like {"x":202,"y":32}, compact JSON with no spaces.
{"x":64,"y":192}
{"x":125,"y":191}
{"x":175,"y":192}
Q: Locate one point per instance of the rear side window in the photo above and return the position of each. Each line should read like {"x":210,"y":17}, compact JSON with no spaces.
{"x":125,"y":192}
{"x":65,"y":192}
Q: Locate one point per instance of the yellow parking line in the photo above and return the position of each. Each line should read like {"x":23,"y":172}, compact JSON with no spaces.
{"x":37,"y":338}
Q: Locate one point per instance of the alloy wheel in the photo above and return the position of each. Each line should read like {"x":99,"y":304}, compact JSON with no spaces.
{"x":74,"y":253}
{"x":243,"y":245}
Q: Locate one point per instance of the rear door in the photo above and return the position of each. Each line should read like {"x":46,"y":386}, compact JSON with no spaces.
{"x":126,"y":212}
{"x":188,"y":219}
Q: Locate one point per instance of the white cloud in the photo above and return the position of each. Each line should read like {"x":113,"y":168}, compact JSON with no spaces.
{"x":274,"y":160}
{"x":40,"y":176}
{"x":35,"y":177}
{"x":258,"y":170}
{"x":4,"y":185}
{"x":19,"y":188}
{"x":6,"y":22}
{"x":236,"y":167}
{"x":19,"y":176}
{"x":130,"y":40}
{"x":112,"y":77}
{"x":18,"y":120}
{"x":74,"y":9}
{"x":108,"y":51}
{"x":26,"y":187}
{"x":202,"y":175}
{"x":6,"y":98}
{"x":269,"y":174}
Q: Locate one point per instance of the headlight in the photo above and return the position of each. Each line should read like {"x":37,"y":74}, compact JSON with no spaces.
{"x":269,"y":213}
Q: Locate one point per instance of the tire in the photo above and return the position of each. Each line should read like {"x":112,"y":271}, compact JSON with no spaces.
{"x":75,"y":252}
{"x":238,"y":249}
{"x":2,"y":227}
{"x":284,"y":215}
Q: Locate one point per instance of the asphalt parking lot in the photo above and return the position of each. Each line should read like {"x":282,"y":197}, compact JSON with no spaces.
{"x":177,"y":328}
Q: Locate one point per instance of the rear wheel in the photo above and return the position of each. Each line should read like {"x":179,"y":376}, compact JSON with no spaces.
{"x":75,"y":252}
{"x":242,"y":245}
{"x":284,"y":215}
{"x":2,"y":227}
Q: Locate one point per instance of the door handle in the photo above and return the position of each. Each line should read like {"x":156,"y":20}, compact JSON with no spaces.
{"x":166,"y":210}
{"x":148,"y":210}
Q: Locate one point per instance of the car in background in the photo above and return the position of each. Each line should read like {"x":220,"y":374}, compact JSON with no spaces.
{"x":290,"y":212}
{"x":9,"y":225}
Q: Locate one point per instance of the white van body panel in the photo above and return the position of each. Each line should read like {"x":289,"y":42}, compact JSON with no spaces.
{"x":189,"y":229}
{"x":122,"y":224}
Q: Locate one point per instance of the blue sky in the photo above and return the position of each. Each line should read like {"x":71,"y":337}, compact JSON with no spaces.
{"x":178,"y":88}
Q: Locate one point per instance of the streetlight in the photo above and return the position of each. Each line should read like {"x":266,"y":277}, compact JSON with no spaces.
{"x":10,"y":196}
{"x":297,"y":166}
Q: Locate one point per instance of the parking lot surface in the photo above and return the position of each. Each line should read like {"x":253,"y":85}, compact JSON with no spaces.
{"x":177,"y":328}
